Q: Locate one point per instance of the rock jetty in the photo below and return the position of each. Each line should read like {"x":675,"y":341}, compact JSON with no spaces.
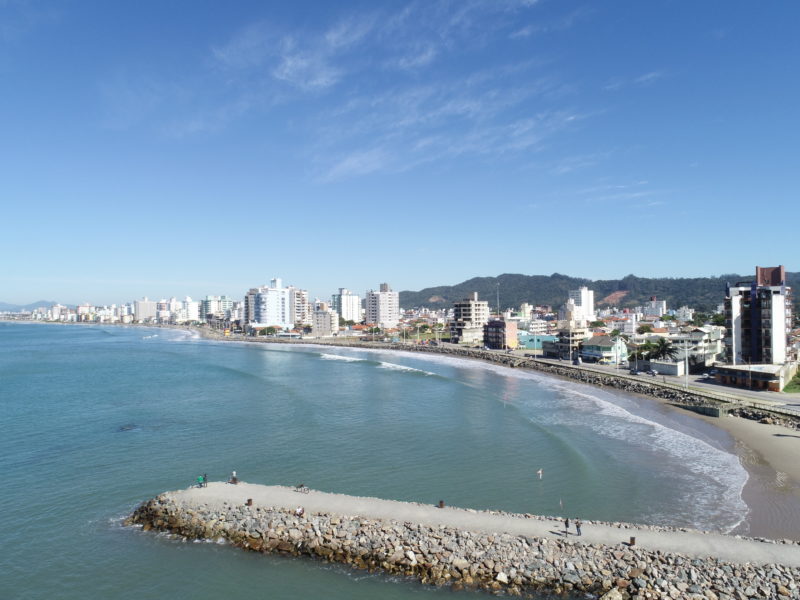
{"x":444,"y":555}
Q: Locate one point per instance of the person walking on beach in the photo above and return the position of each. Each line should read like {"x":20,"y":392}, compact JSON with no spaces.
{"x":205,"y":480}
{"x":566,"y":527}
{"x":578,"y":526}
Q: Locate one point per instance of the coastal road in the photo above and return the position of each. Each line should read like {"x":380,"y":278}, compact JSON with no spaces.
{"x":708,"y":385}
{"x":691,"y":543}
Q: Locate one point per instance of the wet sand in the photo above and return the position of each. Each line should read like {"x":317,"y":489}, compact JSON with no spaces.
{"x":771,"y":455}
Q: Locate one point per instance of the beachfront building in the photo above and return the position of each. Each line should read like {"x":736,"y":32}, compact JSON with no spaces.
{"x":758,"y":318}
{"x":469,"y":317}
{"x":604,"y":348}
{"x":218,"y":307}
{"x":144,"y":310}
{"x":269,"y":306}
{"x":568,"y":343}
{"x":347,"y":304}
{"x":301,"y":312}
{"x":325,"y":321}
{"x":500,"y":335}
{"x":383,"y":307}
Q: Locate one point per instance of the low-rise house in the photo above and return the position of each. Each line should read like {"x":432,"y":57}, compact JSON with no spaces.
{"x":604,"y":348}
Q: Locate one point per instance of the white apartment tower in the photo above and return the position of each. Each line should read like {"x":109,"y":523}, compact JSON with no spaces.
{"x":347,"y":304}
{"x":269,"y":306}
{"x":583,"y":299}
{"x":758,"y":319}
{"x":383,"y":307}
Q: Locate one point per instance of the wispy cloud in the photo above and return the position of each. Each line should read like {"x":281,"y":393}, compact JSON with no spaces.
{"x":649,"y":78}
{"x":384,"y":90}
{"x":645,"y":79}
{"x":541,"y":26}
{"x":358,"y":163}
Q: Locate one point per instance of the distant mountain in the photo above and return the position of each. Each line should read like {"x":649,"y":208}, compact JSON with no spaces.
{"x":701,"y":293}
{"x":6,"y":307}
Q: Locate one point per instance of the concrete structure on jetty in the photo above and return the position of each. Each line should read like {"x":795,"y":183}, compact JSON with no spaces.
{"x":463,"y":548}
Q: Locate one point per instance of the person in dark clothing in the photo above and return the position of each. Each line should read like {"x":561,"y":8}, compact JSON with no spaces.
{"x":566,"y":527}
{"x":578,"y":526}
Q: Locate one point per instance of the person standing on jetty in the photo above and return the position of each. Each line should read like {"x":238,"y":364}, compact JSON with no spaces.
{"x":205,"y":480}
{"x":566,"y":527}
{"x":578,"y":526}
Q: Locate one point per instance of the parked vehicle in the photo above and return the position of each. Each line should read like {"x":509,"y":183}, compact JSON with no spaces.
{"x":634,"y":372}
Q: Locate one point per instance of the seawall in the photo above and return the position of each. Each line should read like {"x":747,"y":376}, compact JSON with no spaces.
{"x":463,"y":548}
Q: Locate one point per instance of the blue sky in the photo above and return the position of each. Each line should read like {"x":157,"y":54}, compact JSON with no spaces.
{"x":174,"y":148}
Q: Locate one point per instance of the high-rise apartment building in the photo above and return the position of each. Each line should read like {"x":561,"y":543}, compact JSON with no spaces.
{"x":583,"y":301}
{"x":301,"y":310}
{"x":383,"y":307}
{"x":217,"y":306}
{"x":347,"y":304}
{"x":758,"y":318}
{"x":325,"y":321}
{"x":144,"y":310}
{"x":469,"y":317}
{"x":269,"y":306}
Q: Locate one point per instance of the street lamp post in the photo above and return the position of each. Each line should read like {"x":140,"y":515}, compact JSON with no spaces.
{"x":686,"y":364}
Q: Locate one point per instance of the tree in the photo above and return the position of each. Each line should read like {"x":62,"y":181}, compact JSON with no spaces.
{"x":700,"y":319}
{"x":718,"y":319}
{"x":644,"y":329}
{"x":663,"y":348}
{"x":270,"y":331}
{"x":597,"y":324}
{"x":642,"y":351}
{"x":615,"y":332}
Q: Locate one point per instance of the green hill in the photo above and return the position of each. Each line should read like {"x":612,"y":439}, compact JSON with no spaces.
{"x":701,"y":293}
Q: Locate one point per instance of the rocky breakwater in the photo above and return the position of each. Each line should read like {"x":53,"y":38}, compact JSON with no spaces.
{"x":462,"y":559}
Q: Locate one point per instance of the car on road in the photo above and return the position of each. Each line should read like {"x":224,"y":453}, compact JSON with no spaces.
{"x":634,"y":371}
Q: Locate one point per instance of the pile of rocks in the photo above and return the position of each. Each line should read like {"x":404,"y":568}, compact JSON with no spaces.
{"x":516,"y":565}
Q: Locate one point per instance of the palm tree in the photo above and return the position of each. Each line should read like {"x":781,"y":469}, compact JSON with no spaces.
{"x":642,"y":351}
{"x":664,"y":348}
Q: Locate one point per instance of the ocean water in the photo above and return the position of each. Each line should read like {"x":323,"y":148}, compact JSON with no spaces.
{"x":97,"y":419}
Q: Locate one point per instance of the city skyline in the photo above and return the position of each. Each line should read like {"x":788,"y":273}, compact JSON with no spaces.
{"x":187,"y":150}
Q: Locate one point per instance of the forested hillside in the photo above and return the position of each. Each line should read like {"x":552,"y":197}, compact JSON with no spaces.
{"x":702,"y":293}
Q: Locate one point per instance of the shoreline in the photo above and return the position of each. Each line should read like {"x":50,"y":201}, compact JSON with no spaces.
{"x":769,"y":453}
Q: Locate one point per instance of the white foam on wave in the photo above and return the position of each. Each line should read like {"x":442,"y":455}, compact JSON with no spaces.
{"x":609,"y":419}
{"x":583,"y":406}
{"x":396,"y":367}
{"x":340,"y":357}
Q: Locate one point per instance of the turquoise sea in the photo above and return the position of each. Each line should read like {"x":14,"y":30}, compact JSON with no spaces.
{"x":96,"y":419}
